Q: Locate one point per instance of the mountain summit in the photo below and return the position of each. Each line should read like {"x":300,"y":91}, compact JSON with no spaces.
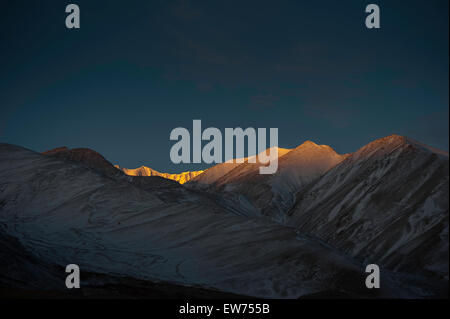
{"x":268,"y":194}
{"x":147,"y":171}
{"x":86,"y":157}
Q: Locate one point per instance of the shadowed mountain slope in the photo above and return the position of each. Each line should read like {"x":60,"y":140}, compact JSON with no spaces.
{"x":63,"y":213}
{"x":387,"y":203}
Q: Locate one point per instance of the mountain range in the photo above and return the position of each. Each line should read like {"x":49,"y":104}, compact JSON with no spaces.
{"x":309,"y":229}
{"x":147,"y":171}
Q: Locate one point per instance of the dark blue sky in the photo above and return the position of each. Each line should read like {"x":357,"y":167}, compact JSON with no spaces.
{"x":137,"y":69}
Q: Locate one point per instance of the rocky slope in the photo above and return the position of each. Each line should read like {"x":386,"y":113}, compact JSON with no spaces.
{"x":387,"y":203}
